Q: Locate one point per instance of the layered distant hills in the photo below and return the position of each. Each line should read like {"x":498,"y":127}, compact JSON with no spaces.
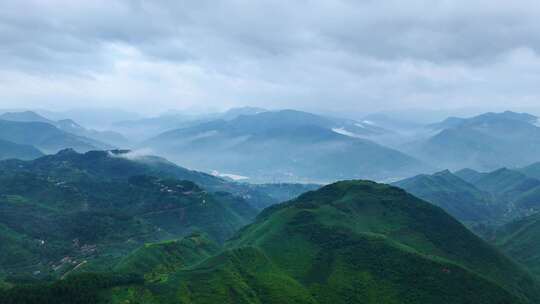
{"x":69,"y":126}
{"x":45,"y":137}
{"x":300,"y":146}
{"x":286,"y":145}
{"x":10,"y":150}
{"x":85,"y":223}
{"x":457,"y":196}
{"x":483,"y":142}
{"x":294,"y":146}
{"x":480,"y":197}
{"x":153,"y":126}
{"x":30,"y":129}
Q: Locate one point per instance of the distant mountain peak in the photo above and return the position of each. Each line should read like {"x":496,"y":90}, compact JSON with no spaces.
{"x":67,"y":151}
{"x":454,"y":122}
{"x":69,"y":124}
{"x":523,"y":117}
{"x":444,"y":172}
{"x":24,"y":116}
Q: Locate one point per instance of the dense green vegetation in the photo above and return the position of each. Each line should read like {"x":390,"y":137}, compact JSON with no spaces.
{"x":516,"y":192}
{"x":364,"y":210}
{"x":350,"y":242}
{"x":521,"y":241}
{"x":459,"y":198}
{"x":85,"y":211}
{"x":81,"y":289}
{"x":69,"y":165}
{"x":507,"y":216}
{"x":156,"y":261}
{"x":101,"y":227}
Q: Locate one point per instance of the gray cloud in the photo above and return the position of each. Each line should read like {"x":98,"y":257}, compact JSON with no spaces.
{"x":314,"y":54}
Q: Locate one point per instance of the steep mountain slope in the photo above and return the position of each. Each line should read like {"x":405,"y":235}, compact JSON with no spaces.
{"x":57,"y":222}
{"x":469,"y":175}
{"x":69,"y":126}
{"x":110,"y":137}
{"x":285,"y":145}
{"x":457,"y":197}
{"x":350,"y":242}
{"x":102,"y":204}
{"x":9,"y":150}
{"x":519,"y":193}
{"x":532,"y":170}
{"x":521,"y":241}
{"x":157,"y":261}
{"x":153,"y":126}
{"x":122,"y":164}
{"x":515,"y":192}
{"x":506,"y":181}
{"x":366,"y":208}
{"x":45,"y":137}
{"x":106,"y":203}
{"x":484,"y":142}
{"x":281,"y":192}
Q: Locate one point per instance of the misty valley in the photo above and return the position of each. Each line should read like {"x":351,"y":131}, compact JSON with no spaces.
{"x":269,"y":206}
{"x":269,"y":152}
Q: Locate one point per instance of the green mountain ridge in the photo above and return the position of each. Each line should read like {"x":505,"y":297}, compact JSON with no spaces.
{"x":520,"y":240}
{"x":349,"y":242}
{"x":156,"y":261}
{"x":66,"y":209}
{"x":368,"y":208}
{"x":122,"y":164}
{"x":482,"y":200}
{"x":62,"y":210}
{"x":457,"y":197}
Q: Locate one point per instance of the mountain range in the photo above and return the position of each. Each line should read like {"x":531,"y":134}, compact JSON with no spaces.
{"x":125,"y":226}
{"x":10,"y":150}
{"x":61,"y":210}
{"x":45,"y":137}
{"x":349,"y":242}
{"x":153,"y":126}
{"x":458,"y":197}
{"x":69,"y":126}
{"x":285,"y":146}
{"x":296,"y":146}
{"x":484,"y":142}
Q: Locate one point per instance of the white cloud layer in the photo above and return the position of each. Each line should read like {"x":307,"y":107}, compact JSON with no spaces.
{"x":342,"y":55}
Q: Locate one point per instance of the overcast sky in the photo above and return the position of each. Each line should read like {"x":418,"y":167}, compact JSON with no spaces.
{"x":348,"y":55}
